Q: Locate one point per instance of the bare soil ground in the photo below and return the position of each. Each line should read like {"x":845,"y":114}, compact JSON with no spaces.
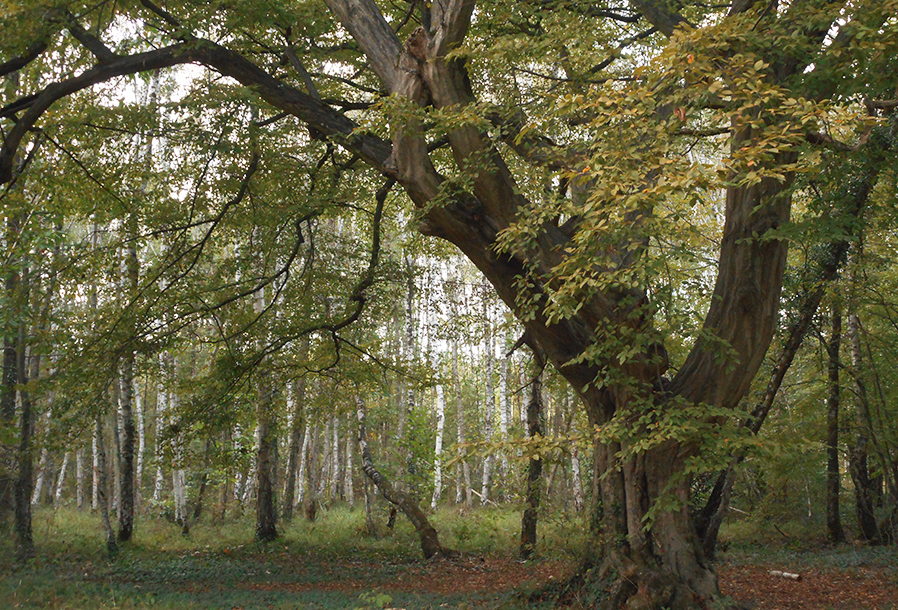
{"x":853,"y":588}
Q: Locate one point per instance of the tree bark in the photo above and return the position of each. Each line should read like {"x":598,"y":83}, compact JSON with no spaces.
{"x":489,"y":399}
{"x":348,"y":487}
{"x":178,"y":471}
{"x":438,"y":448}
{"x":131,"y":271}
{"x":42,"y":466}
{"x":24,"y":482}
{"x":266,"y":511}
{"x":865,"y":491}
{"x":504,"y":408}
{"x":295,"y":403}
{"x":102,"y":486}
{"x":8,"y":414}
{"x":833,"y":482}
{"x":462,"y":468}
{"x":60,"y":481}
{"x":161,"y":414}
{"x":141,"y":444}
{"x":95,"y":472}
{"x":307,"y":436}
{"x":79,"y":478}
{"x":534,"y":470}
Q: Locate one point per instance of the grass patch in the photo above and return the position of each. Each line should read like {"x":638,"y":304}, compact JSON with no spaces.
{"x":327,"y":564}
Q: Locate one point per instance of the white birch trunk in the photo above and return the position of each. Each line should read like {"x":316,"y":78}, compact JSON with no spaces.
{"x":95,"y":482}
{"x":249,"y":485}
{"x":335,"y":459}
{"x":489,"y":403}
{"x":41,"y":467}
{"x":238,"y":486}
{"x":60,"y":481}
{"x":303,"y":458}
{"x":575,"y":479}
{"x":438,"y":448}
{"x":161,"y":413}
{"x":463,"y":469}
{"x":325,"y":464}
{"x":79,"y":478}
{"x":179,"y":474}
{"x":348,"y":491}
{"x":504,"y":410}
{"x":141,"y":438}
{"x":39,"y":479}
{"x":179,"y":491}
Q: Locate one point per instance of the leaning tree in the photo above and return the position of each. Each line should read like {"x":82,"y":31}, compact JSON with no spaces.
{"x":570,"y":149}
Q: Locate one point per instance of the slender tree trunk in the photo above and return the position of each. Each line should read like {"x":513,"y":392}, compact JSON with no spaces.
{"x":576,"y":483}
{"x":118,"y":425}
{"x":42,"y":466}
{"x":249,"y":480}
{"x":463,"y":468}
{"x":864,"y":484}
{"x":438,"y":448}
{"x":158,"y":426}
{"x":60,"y":481}
{"x":178,"y":472}
{"x":534,"y":471}
{"x":348,"y":488}
{"x":8,"y":415}
{"x":131,"y":273}
{"x":504,"y":406}
{"x":126,"y":494}
{"x":370,"y":525}
{"x":23,"y":485}
{"x":266,"y":504}
{"x":489,"y":402}
{"x":103,"y":487}
{"x":95,"y":473}
{"x":410,"y":355}
{"x":335,"y":486}
{"x":79,"y":478}
{"x":204,"y":479}
{"x":833,"y":483}
{"x":295,"y":405}
{"x":430,"y":542}
{"x":303,"y":460}
{"x":141,"y":444}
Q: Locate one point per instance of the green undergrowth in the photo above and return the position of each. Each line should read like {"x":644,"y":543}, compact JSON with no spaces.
{"x":800,"y":544}
{"x":327,"y":564}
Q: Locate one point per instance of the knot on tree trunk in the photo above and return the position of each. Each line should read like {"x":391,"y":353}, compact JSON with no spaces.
{"x":416,"y":45}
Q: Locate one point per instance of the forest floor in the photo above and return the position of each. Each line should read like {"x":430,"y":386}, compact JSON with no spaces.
{"x":329,"y":565}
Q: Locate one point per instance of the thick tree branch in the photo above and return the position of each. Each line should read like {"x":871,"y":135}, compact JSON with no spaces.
{"x":17,"y":63}
{"x":451,"y":19}
{"x":708,"y":521}
{"x":89,"y":41}
{"x":305,"y":107}
{"x":36,"y":104}
{"x":659,"y":15}
{"x":366,"y":24}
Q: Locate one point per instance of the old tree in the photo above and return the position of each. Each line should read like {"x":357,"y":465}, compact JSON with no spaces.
{"x":600,"y":163}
